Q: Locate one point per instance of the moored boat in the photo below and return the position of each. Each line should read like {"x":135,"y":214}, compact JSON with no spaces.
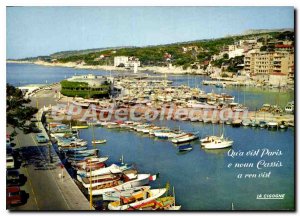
{"x":136,"y":199}
{"x":99,"y":141}
{"x":186,"y":137}
{"x":186,"y":147}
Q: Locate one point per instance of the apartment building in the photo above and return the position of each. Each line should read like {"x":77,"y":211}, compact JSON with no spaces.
{"x":265,"y":63}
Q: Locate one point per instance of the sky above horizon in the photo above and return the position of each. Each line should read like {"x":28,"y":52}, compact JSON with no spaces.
{"x":34,"y":31}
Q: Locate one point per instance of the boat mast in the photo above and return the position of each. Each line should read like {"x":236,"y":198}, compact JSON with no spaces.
{"x":91,"y":188}
{"x":174,"y":196}
{"x":93,"y":134}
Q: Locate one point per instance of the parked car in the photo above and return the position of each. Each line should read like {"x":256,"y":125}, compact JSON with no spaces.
{"x":41,"y":138}
{"x":12,"y":178}
{"x":13,"y":195}
{"x":10,"y":162}
{"x":9,"y":151}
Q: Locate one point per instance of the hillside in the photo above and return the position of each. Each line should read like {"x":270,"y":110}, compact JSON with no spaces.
{"x":183,"y":54}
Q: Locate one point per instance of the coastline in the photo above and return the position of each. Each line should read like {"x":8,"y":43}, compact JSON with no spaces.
{"x":154,"y":69}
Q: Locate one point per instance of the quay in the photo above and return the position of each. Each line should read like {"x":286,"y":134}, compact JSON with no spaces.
{"x":48,"y":185}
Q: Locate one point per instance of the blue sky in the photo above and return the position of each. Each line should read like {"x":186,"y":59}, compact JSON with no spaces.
{"x":33,"y":31}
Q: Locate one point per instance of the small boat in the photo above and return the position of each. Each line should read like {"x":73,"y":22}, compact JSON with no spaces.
{"x":228,"y":122}
{"x":186,"y":137}
{"x":220,"y":85}
{"x":262,"y":124}
{"x":162,"y":203}
{"x":131,"y":181}
{"x":272,"y":125}
{"x":282,"y":126}
{"x":113,"y":169}
{"x":115,"y":195}
{"x":80,"y":127}
{"x":187,"y":147}
{"x":246,"y":122}
{"x":99,"y":141}
{"x":136,"y":199}
{"x":254,"y":123}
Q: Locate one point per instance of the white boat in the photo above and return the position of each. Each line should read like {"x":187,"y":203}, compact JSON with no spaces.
{"x":115,"y":195}
{"x":113,"y":169}
{"x":246,"y":122}
{"x":186,"y":137}
{"x":99,"y":141}
{"x":134,"y":181}
{"x":208,"y":139}
{"x":136,"y":199}
{"x":272,"y":125}
{"x":218,"y":143}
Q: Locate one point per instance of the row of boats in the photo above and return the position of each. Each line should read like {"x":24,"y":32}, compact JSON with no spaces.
{"x":180,"y":138}
{"x":119,"y":183}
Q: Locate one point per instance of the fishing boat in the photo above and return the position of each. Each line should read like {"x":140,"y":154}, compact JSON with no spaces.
{"x":129,"y":182}
{"x":161,"y":203}
{"x":80,"y":158}
{"x":75,"y":148}
{"x":73,"y":155}
{"x":99,"y":141}
{"x":136,"y":199}
{"x":184,"y":148}
{"x":89,"y":162}
{"x":115,"y":195}
{"x":186,"y":137}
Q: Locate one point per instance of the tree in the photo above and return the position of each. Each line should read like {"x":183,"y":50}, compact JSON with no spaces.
{"x":263,"y":48}
{"x":17,"y":110}
{"x":225,"y":56}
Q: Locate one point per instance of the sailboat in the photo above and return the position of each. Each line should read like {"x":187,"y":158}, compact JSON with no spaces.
{"x":97,"y":141}
{"x":215,"y":142}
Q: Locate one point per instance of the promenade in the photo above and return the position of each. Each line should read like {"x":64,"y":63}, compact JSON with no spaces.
{"x":44,"y":187}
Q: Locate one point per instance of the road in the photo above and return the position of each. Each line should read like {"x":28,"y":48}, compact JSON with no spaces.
{"x":44,"y":189}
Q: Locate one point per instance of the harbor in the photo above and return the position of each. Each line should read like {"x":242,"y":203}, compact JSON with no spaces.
{"x":140,"y":138}
{"x":134,"y":109}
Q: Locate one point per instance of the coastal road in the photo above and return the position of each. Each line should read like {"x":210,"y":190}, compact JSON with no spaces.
{"x":44,"y":189}
{"x":41,"y":185}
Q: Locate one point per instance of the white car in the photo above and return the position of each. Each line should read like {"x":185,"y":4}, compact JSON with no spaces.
{"x":10,"y":162}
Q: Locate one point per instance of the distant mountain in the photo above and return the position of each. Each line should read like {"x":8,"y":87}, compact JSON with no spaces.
{"x":260,"y":31}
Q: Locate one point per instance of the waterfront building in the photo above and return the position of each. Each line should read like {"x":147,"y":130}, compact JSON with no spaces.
{"x":264,"y":62}
{"x":87,"y":86}
{"x":127,"y":62}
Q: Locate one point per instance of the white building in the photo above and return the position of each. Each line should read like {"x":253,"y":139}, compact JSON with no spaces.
{"x":120,"y":60}
{"x":128,"y":62}
{"x":236,"y":52}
